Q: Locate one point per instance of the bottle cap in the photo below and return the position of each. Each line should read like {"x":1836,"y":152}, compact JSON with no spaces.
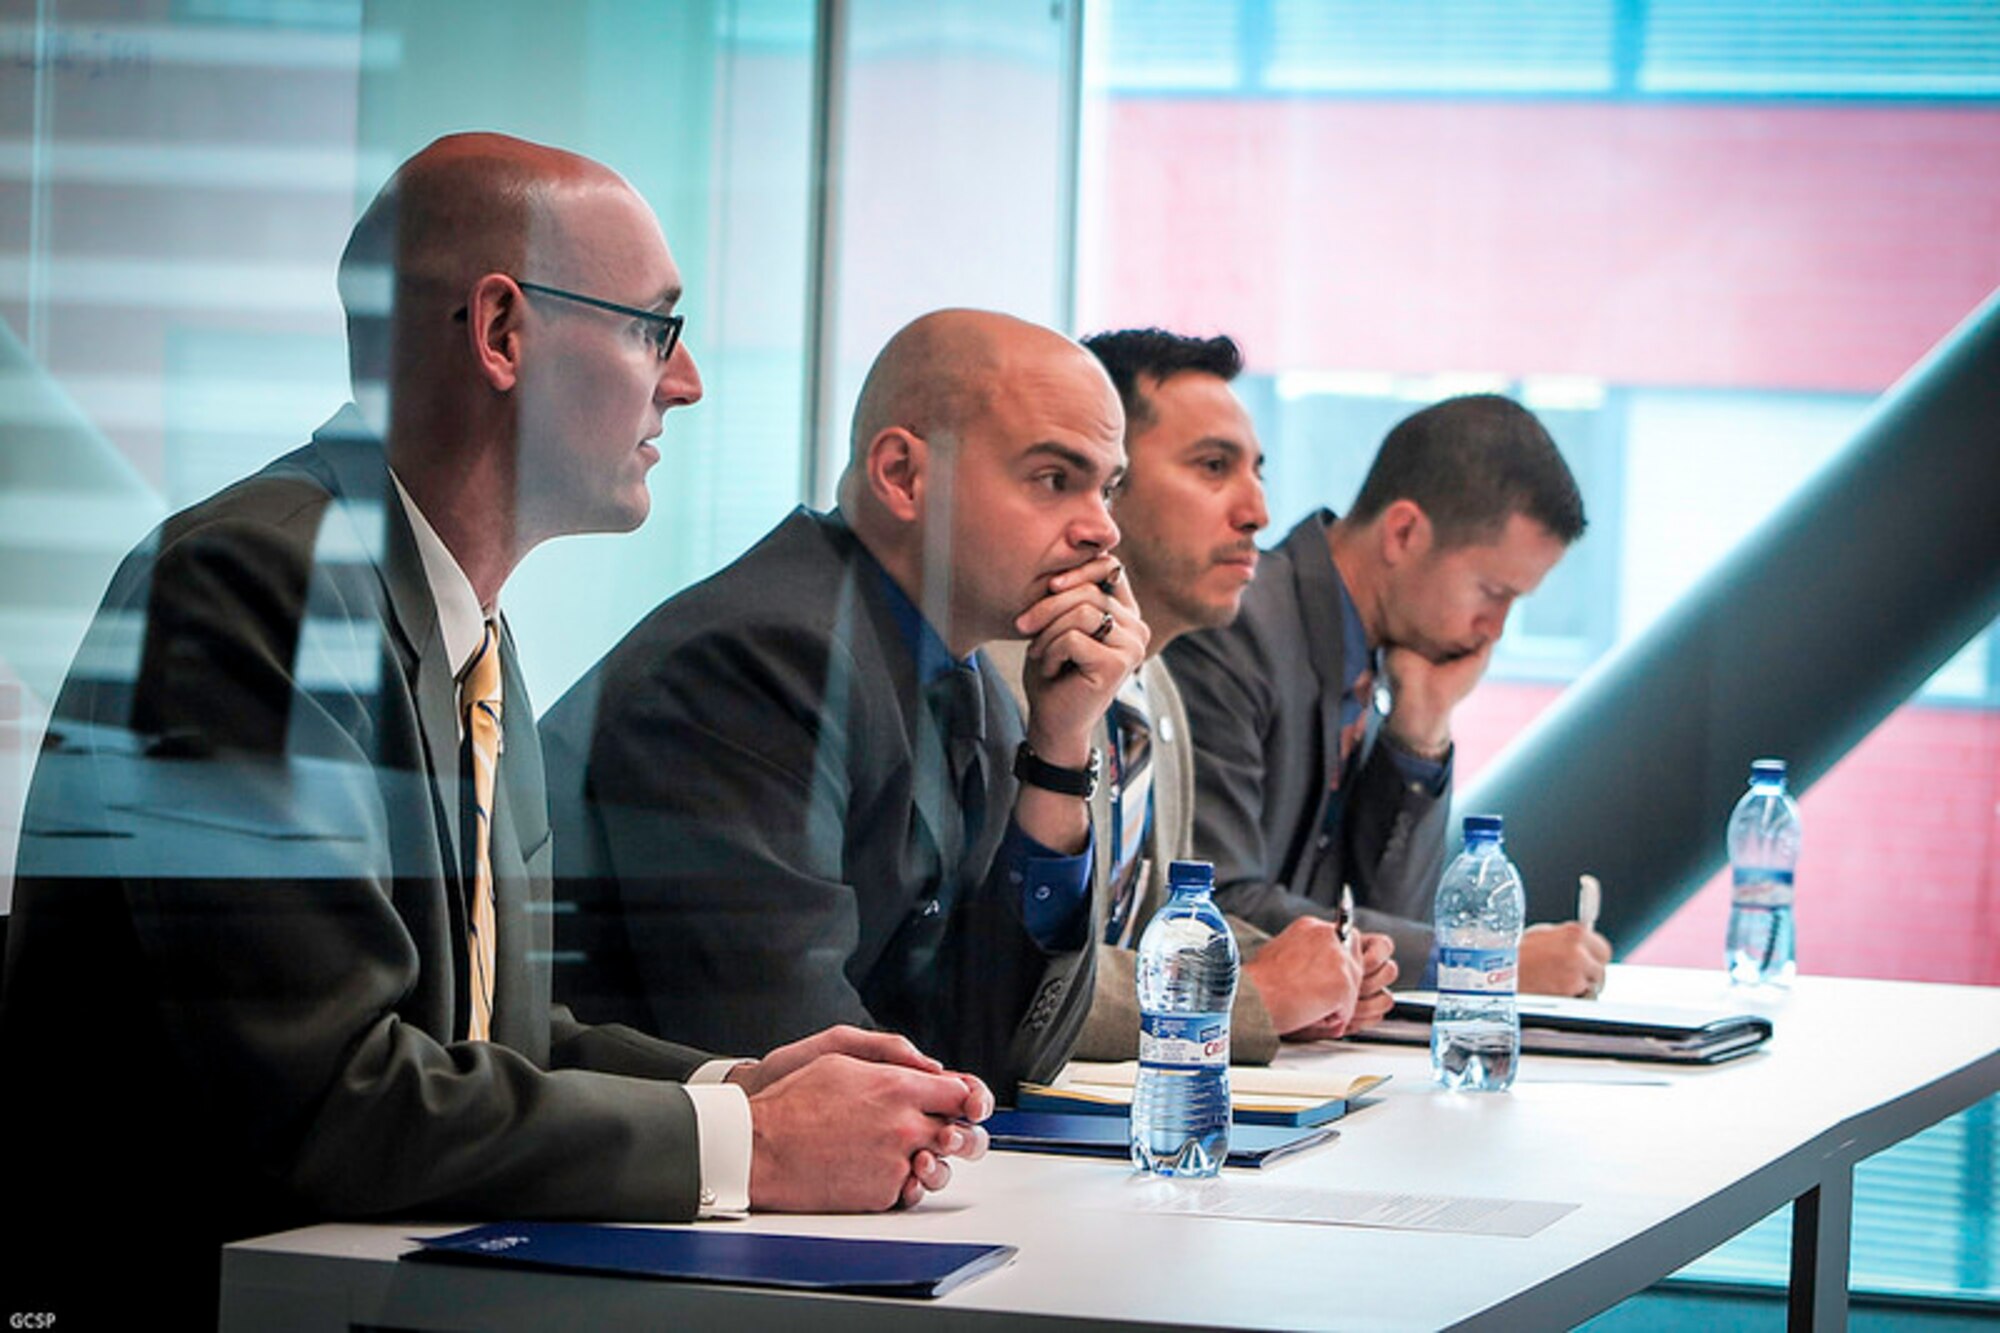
{"x":1483,"y":826}
{"x":1191,"y":873}
{"x":1767,"y":770}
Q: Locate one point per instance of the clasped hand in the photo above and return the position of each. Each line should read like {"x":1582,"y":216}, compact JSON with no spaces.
{"x":848,"y":1120}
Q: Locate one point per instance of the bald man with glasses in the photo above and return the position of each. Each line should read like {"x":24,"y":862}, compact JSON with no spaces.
{"x":281,"y":935}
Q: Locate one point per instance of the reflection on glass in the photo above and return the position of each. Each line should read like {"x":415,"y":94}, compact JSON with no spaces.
{"x":168,"y":319}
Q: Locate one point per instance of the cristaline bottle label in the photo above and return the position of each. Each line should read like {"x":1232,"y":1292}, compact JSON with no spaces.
{"x":1476,"y":971}
{"x":1762,"y":888}
{"x":1189,"y":1041}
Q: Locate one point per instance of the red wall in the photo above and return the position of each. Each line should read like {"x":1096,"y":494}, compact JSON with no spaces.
{"x":1818,"y":247}
{"x":1899,"y":875}
{"x":1757,"y":246}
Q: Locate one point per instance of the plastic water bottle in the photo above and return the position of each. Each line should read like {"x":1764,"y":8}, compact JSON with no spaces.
{"x":1763,"y":851}
{"x":1476,"y":1029}
{"x":1187,"y":982}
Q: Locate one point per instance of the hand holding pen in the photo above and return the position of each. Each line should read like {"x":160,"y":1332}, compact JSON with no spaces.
{"x":1569,"y":957}
{"x":1589,"y":902}
{"x":1376,"y":954}
{"x":1314,"y":977}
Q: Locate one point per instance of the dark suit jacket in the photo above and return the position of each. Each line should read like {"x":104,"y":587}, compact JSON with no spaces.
{"x":756,"y":831}
{"x":1263,"y":699}
{"x":1111,"y":1029}
{"x":238,"y":928}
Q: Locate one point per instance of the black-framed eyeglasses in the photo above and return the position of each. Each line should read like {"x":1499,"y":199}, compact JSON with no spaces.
{"x":662,"y":331}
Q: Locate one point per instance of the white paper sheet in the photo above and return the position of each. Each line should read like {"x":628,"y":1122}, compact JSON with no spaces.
{"x":1352,"y":1208}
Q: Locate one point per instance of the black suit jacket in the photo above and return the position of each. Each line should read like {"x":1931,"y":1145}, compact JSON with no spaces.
{"x":238,"y":927}
{"x":1263,"y":700}
{"x":757,"y":834}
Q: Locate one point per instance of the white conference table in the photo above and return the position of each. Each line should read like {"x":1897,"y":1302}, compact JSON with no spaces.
{"x":1666,"y":1163}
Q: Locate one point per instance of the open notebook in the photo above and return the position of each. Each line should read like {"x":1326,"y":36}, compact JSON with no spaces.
{"x":1258,"y":1096}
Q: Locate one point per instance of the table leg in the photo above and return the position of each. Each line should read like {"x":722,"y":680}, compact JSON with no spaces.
{"x":1822,"y":1219}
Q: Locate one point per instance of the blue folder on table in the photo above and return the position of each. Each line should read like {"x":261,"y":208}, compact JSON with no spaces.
{"x":723,"y":1254}
{"x":1111,"y":1136}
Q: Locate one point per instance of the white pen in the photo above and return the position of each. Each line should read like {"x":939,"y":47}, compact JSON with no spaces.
{"x":1589,"y":900}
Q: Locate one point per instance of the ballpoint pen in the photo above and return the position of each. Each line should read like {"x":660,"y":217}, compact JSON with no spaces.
{"x":1589,"y":901}
{"x":1345,"y":919}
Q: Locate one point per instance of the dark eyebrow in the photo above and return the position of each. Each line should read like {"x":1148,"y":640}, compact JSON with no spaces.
{"x":668,"y":299}
{"x":1076,"y":458}
{"x":1234,"y":448}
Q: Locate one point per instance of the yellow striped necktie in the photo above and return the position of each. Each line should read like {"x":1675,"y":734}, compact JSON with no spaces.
{"x":479,"y":697}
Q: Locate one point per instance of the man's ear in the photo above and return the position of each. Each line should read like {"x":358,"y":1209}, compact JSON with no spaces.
{"x":493,"y":330}
{"x":898,"y":471}
{"x":1405,"y":531}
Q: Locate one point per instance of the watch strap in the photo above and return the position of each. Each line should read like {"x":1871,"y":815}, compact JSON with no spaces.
{"x":1036,"y":771}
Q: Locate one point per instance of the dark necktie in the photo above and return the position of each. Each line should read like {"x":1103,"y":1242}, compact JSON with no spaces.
{"x":959,"y":705}
{"x":1354,"y":708}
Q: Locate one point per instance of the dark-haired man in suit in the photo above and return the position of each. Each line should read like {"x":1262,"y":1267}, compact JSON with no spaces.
{"x":1322,"y":715}
{"x":1190,"y":508}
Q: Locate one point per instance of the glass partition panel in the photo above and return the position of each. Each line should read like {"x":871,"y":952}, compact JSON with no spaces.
{"x":177,"y":183}
{"x":947,"y":175}
{"x":1701,"y":239}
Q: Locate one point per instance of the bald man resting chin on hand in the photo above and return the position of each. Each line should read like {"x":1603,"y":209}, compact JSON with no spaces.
{"x":798,"y":790}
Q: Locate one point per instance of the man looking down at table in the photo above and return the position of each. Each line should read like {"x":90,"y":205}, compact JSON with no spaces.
{"x":1189,"y":508}
{"x":280,"y":940}
{"x":801,"y":794}
{"x":1322,"y":715}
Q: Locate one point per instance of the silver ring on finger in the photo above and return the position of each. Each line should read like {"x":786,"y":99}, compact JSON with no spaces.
{"x":1103,"y":630}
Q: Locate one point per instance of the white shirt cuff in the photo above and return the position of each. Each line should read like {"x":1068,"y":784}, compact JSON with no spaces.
{"x":714,"y":1071}
{"x":722,"y":1126}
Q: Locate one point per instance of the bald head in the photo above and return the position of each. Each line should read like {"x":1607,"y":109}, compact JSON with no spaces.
{"x":941,"y":373}
{"x":932,"y":376}
{"x":981,"y":456}
{"x":508,"y":305}
{"x":467,"y":205}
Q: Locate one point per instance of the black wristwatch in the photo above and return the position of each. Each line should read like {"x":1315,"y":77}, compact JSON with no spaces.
{"x":1036,"y":771}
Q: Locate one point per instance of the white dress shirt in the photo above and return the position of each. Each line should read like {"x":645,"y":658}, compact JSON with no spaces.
{"x":721,"y":1110}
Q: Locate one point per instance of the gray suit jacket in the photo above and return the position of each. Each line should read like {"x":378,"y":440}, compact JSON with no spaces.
{"x":240,"y":915}
{"x":757,"y":834}
{"x":1263,"y":695}
{"x":1111,"y":1030}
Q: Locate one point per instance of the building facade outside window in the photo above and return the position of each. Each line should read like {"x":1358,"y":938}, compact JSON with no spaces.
{"x":1701,"y":240}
